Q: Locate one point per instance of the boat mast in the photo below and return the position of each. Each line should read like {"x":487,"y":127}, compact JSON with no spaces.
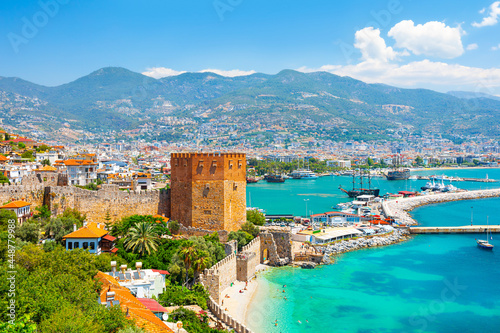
{"x":471,"y":214}
{"x":361,"y":179}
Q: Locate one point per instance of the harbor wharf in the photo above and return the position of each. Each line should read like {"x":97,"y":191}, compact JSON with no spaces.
{"x":464,"y":179}
{"x":398,"y":209}
{"x":468,"y":229}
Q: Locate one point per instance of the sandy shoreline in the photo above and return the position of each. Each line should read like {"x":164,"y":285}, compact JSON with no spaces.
{"x":237,"y":304}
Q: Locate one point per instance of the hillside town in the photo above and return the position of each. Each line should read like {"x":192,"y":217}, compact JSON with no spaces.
{"x":103,"y":198}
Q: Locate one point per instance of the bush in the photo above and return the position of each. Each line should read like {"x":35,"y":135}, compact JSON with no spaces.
{"x":192,"y":322}
{"x":178,"y":295}
{"x":256,"y":217}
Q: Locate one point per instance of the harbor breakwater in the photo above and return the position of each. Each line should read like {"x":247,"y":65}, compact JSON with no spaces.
{"x":398,"y":209}
{"x":396,"y":236}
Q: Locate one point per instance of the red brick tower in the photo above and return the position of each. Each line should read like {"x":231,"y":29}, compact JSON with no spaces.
{"x":208,"y":191}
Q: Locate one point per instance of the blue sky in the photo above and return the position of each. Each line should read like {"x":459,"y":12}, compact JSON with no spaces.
{"x":441,"y":45}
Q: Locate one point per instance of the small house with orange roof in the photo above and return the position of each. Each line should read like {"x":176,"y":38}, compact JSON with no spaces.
{"x":92,"y":237}
{"x":3,"y":159}
{"x":112,"y":294}
{"x":21,"y":208}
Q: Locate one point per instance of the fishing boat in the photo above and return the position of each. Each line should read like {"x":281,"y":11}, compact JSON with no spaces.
{"x":484,"y":244}
{"x":251,"y":180}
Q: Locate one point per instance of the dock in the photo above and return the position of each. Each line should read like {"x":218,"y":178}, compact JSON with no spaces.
{"x":468,"y":229}
{"x":398,"y":209}
{"x":461,"y":179}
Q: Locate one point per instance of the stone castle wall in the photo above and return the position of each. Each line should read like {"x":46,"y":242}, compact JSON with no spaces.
{"x":95,"y":204}
{"x":247,"y":260}
{"x":276,"y":248}
{"x":220,"y":276}
{"x":109,"y":199}
{"x":209,"y":190}
{"x":29,"y":193}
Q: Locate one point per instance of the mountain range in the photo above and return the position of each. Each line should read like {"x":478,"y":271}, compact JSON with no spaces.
{"x":115,"y":98}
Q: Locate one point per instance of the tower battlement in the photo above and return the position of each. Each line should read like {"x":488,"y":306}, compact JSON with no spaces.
{"x":209,"y":190}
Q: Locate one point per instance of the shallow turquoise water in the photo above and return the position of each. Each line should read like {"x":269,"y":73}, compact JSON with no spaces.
{"x":323,"y":193}
{"x":432,"y":283}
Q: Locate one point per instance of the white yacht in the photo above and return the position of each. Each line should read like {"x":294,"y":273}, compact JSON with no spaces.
{"x":303,"y":174}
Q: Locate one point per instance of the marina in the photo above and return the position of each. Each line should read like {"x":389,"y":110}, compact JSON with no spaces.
{"x":393,"y":280}
{"x":468,"y":229}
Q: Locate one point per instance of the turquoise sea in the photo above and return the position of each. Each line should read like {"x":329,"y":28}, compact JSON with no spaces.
{"x":431,"y":283}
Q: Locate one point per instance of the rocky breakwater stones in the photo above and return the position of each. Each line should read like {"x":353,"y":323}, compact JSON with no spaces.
{"x":355,"y":244}
{"x":308,"y":265}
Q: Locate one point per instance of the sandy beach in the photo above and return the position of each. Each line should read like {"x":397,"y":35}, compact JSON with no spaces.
{"x":237,"y":303}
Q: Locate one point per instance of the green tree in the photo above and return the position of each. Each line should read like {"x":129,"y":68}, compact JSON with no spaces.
{"x":188,"y":255}
{"x":5,"y":216}
{"x":250,"y":228}
{"x":142,"y":239}
{"x":174,"y":227}
{"x":45,"y":162}
{"x":21,"y":145}
{"x":419,"y":160}
{"x":21,"y":325}
{"x":4,"y":179}
{"x":43,"y":148}
{"x":242,"y":237}
{"x":256,"y":217}
{"x":75,"y":214}
{"x":58,"y":227}
{"x":42,"y":212}
{"x":56,"y":290}
{"x":29,"y":231}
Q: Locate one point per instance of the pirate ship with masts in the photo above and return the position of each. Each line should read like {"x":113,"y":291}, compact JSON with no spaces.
{"x":361,"y":190}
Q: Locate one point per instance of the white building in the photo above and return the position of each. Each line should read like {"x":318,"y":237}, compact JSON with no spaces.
{"x":80,"y":172}
{"x":142,"y":283}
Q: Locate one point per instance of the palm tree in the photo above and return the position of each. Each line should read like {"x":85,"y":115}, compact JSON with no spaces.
{"x":188,"y":255}
{"x":142,"y":238}
{"x":202,"y":261}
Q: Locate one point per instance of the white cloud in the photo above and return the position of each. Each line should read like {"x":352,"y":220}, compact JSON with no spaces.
{"x":421,"y":74}
{"x":492,"y":18}
{"x":373,"y":47}
{"x":230,"y":73}
{"x":494,"y":48}
{"x":433,"y":38}
{"x":472,"y":46}
{"x":159,"y":72}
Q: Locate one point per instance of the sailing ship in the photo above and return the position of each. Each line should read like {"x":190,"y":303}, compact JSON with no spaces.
{"x":274,"y":178}
{"x":360,"y":190}
{"x":484,"y":244}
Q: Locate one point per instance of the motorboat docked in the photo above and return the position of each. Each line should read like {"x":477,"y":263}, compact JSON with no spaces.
{"x":303,"y":174}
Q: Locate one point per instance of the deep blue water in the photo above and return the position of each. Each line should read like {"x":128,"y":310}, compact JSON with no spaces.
{"x":431,"y":283}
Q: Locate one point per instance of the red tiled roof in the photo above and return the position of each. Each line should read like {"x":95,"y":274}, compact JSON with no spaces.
{"x":109,"y":237}
{"x":16,"y":204}
{"x":114,"y":250}
{"x":161,"y":271}
{"x":152,"y":305}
